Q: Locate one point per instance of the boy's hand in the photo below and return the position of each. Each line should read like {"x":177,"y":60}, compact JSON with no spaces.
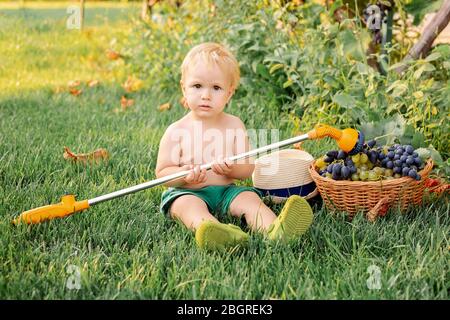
{"x":222,"y":166}
{"x":196,"y":175}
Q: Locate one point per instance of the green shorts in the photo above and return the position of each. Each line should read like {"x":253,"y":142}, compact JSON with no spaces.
{"x":217,"y":198}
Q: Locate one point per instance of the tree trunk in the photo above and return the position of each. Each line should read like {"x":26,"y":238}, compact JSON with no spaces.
{"x":421,"y":48}
{"x":81,"y":14}
{"x":145,"y":12}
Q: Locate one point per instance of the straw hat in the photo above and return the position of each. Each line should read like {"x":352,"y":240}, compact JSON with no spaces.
{"x":284,"y":173}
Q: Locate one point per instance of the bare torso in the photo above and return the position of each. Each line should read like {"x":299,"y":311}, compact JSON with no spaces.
{"x":200,"y":144}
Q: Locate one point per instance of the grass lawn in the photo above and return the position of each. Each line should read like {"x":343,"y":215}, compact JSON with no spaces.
{"x":124,"y":248}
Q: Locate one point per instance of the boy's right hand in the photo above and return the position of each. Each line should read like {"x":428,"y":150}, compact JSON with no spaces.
{"x":196,"y":175}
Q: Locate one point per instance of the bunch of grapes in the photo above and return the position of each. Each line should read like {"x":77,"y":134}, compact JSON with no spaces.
{"x":373,"y":163}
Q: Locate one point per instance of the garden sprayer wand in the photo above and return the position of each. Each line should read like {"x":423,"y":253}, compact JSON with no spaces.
{"x":349,"y":140}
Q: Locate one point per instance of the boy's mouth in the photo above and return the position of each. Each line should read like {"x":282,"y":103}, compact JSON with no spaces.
{"x":204,"y":107}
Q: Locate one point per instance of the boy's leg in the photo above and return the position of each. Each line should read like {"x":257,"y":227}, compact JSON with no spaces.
{"x":190,"y":210}
{"x":294,"y":219}
{"x":209,"y":232}
{"x":258,"y":216}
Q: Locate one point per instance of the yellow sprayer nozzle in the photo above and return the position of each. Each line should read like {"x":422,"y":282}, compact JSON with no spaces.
{"x":347,"y":139}
{"x":66,"y":207}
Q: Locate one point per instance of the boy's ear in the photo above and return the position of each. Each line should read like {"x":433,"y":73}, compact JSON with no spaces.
{"x":182,"y":86}
{"x":230,"y":93}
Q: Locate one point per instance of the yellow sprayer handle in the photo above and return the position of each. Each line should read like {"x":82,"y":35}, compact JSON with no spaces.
{"x":346,"y":139}
{"x":66,"y":207}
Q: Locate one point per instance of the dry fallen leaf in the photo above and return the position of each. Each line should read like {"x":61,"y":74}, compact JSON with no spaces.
{"x":113,"y":55}
{"x":75,"y":92}
{"x":132,"y":84}
{"x":298,"y":146}
{"x":73,"y":84}
{"x":93,"y":83}
{"x":97,"y":155}
{"x":126,"y":103}
{"x":380,"y":209}
{"x":163,"y":107}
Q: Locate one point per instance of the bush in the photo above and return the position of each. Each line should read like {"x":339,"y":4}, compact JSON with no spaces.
{"x":300,"y":63}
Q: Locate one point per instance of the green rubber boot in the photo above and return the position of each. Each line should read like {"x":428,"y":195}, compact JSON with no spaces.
{"x":219,"y":236}
{"x":293,"y":221}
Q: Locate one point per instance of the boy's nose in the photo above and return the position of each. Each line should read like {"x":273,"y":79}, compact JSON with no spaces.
{"x":206,"y":95}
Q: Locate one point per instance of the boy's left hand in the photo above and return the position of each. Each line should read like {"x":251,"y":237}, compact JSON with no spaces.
{"x":222,"y":166}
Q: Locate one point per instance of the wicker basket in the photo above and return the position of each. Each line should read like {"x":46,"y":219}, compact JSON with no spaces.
{"x":354,"y":196}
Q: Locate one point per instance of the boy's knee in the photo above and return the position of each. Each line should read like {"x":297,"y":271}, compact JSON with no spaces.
{"x":186,"y":202}
{"x":244,"y":202}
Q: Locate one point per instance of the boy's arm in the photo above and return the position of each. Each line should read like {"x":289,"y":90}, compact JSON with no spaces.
{"x":169,"y":158}
{"x":241,"y":169}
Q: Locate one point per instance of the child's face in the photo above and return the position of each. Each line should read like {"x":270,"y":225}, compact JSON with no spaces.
{"x":206,"y":89}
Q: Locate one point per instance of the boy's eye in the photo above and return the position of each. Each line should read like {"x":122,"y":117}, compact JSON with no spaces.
{"x":197,"y":86}
{"x":217,"y":88}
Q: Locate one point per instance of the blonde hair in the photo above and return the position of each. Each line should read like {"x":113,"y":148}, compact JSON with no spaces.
{"x":213,"y":54}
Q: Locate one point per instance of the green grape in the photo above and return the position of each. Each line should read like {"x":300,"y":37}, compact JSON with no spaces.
{"x":378,"y":170}
{"x":397,"y":175}
{"x":364,"y":158}
{"x":355,"y":177}
{"x":370,"y":165}
{"x":356,"y":159}
{"x":320,"y":163}
{"x":328,"y":175}
{"x":373,"y":176}
{"x":364,"y":175}
{"x":364,"y":167}
{"x":388,"y":172}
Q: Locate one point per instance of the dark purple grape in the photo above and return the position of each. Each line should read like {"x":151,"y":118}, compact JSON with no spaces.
{"x":381,"y":156}
{"x":345,"y":172}
{"x":328,"y":159}
{"x":353,"y":169}
{"x":349,"y":162}
{"x":321,"y":172}
{"x":397,"y":170}
{"x":332,"y":154}
{"x":409,"y":149}
{"x":403,"y":158}
{"x":415,"y":154}
{"x":412,"y":173}
{"x":418,"y":161}
{"x":399,"y":151}
{"x":373,"y":156}
{"x":335,"y":176}
{"x":330,"y":168}
{"x":385,"y":161}
{"x":389,"y":165}
{"x":337,"y":168}
{"x":371,"y":143}
{"x":341,"y":155}
{"x":405,"y":171}
{"x":397,"y":163}
{"x":397,"y":157}
{"x":409,"y":160}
